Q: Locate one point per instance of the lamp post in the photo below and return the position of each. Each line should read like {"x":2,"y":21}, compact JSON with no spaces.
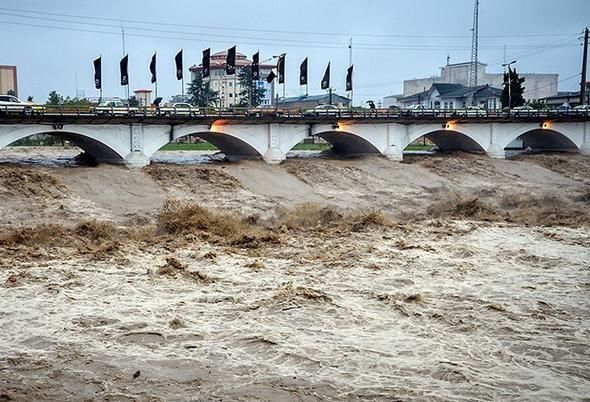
{"x":509,"y":82}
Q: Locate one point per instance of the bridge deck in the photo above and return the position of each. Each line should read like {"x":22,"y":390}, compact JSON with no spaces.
{"x":246,"y":119}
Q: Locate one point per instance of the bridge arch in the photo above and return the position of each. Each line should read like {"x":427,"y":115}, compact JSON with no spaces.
{"x":92,"y":145}
{"x":346,"y":142}
{"x":452,"y":139}
{"x":232,"y":145}
{"x":545,"y":139}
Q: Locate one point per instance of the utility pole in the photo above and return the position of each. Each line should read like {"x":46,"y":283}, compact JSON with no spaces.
{"x":350,"y":64}
{"x":474,"y":45}
{"x":584,"y":65}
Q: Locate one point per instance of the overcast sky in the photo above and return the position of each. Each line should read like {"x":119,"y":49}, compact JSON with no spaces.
{"x":52,"y":42}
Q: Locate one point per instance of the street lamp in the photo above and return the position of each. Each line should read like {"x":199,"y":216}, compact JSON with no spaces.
{"x":509,"y":82}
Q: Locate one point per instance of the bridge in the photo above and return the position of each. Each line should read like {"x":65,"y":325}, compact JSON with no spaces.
{"x":131,"y":139}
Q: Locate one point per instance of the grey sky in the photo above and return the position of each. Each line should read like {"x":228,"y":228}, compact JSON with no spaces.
{"x":416,"y":36}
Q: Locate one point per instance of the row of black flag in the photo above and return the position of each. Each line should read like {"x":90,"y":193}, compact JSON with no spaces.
{"x":230,"y":69}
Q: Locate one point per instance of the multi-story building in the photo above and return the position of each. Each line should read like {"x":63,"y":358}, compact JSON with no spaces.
{"x":8,"y":81}
{"x":536,"y":86}
{"x":228,"y":86}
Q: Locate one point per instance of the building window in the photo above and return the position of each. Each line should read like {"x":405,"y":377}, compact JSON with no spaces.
{"x":231,"y":95}
{"x":231,"y":84}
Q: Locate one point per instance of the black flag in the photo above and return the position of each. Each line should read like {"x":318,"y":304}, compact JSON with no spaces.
{"x":98,"y":73}
{"x":206,"y":62}
{"x":303,"y":73}
{"x":281,"y":68}
{"x":178,"y":61}
{"x":271,"y":76}
{"x":124,"y":71}
{"x":349,"y":79}
{"x":153,"y":68}
{"x":230,"y":61}
{"x":256,"y":66}
{"x":326,"y":79}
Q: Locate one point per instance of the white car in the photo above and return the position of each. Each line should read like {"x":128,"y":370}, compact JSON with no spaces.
{"x":179,"y":109}
{"x":322,"y":110}
{"x":115,"y":107}
{"x":582,"y":108}
{"x":11,"y":104}
{"x":524,"y":110}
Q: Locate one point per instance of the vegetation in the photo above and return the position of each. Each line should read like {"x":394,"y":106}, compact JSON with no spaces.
{"x":198,"y":146}
{"x":537,"y":104}
{"x":516,"y":90}
{"x":11,"y":92}
{"x":55,"y":99}
{"x":251,"y":94}
{"x":200,"y":92}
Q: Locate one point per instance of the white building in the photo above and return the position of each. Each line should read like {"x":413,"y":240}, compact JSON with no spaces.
{"x":228,"y":86}
{"x":454,"y":96}
{"x":536,"y":86}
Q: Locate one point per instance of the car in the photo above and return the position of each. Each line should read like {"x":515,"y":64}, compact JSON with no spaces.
{"x":12,"y":105}
{"x":114,"y":107}
{"x":582,"y":108}
{"x":418,"y":110}
{"x":524,"y":110}
{"x":323,"y":110}
{"x":178,"y":109}
{"x":470,"y":111}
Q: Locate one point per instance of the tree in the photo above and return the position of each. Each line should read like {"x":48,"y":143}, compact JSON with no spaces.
{"x":537,"y":104}
{"x":516,"y":90}
{"x":54,"y":99}
{"x":251,"y":94}
{"x":133,"y":101}
{"x":11,"y":92}
{"x":200,"y":93}
{"x":29,"y":99}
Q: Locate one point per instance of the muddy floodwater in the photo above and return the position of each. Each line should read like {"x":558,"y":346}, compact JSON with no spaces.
{"x":442,"y":278}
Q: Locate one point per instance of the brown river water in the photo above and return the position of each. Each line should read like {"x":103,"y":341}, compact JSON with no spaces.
{"x":443,"y":278}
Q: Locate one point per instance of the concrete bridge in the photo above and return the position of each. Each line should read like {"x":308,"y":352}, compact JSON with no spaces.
{"x":133,"y":140}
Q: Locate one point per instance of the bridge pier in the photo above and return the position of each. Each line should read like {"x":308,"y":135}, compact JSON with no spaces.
{"x":274,"y":155}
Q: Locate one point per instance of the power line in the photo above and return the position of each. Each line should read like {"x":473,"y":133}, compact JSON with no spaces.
{"x":273,"y":42}
{"x":279,"y":31}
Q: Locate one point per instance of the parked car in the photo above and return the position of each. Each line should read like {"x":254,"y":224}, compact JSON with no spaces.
{"x":470,"y":111}
{"x":115,"y":107}
{"x":179,"y":109}
{"x":12,"y":105}
{"x":582,"y":108}
{"x":323,"y":110}
{"x":524,"y":110}
{"x":418,"y":110}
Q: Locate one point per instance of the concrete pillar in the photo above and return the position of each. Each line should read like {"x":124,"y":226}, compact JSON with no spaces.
{"x":494,"y":150}
{"x":273,"y":154}
{"x":136,"y":158}
{"x":585,"y":147}
{"x":395,"y":135}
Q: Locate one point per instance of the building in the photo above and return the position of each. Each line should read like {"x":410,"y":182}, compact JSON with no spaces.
{"x":570,"y":98}
{"x":536,"y":86}
{"x":309,"y":102}
{"x":454,"y":96}
{"x":392,"y":100}
{"x":8,"y":81}
{"x":228,"y":86}
{"x":143,"y":96}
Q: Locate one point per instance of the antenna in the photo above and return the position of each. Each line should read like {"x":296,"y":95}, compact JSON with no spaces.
{"x":473,"y":71}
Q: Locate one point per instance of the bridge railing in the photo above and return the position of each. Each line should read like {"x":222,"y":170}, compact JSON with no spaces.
{"x":261,"y":112}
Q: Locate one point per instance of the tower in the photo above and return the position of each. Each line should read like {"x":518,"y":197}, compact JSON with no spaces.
{"x":474,"y":40}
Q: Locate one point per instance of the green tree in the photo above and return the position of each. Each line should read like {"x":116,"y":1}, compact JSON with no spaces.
{"x":54,"y":99}
{"x":11,"y":92}
{"x":537,"y":104}
{"x":251,"y":94}
{"x":516,"y":90}
{"x":200,"y":93}
{"x":133,"y":101}
{"x":76,"y":102}
{"x":29,"y":99}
